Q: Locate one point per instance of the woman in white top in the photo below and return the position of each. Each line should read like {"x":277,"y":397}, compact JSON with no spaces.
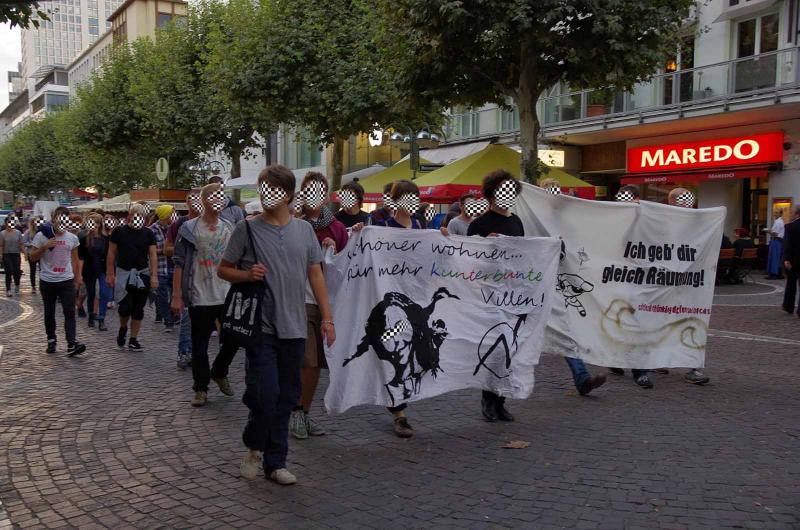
{"x":775,"y":256}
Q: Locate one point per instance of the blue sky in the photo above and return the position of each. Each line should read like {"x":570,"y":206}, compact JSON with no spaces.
{"x":10,"y":55}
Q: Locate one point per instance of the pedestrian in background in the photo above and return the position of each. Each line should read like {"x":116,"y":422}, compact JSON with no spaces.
{"x":351,"y":199}
{"x":198,"y":251}
{"x":165,"y":267}
{"x":775,"y":255}
{"x":131,"y":270}
{"x":56,"y":250}
{"x":11,"y":246}
{"x":27,"y":239}
{"x":791,"y":262}
{"x":98,"y":293}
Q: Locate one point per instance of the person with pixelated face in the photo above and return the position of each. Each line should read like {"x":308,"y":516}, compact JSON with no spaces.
{"x":471,"y":207}
{"x":131,"y":269}
{"x":27,"y":239}
{"x":330,"y":232}
{"x":195,"y":285}
{"x":93,"y":251}
{"x":351,"y":199}
{"x":59,"y":277}
{"x":384,"y":213}
{"x":163,"y":220}
{"x":194,"y":209}
{"x":287,"y":254}
{"x":683,"y":198}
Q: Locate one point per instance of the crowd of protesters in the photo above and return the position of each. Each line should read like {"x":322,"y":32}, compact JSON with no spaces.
{"x":186,"y":266}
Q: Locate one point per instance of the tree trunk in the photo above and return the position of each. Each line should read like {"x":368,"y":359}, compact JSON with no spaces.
{"x":236,"y":163}
{"x":526,"y":96}
{"x":338,"y":162}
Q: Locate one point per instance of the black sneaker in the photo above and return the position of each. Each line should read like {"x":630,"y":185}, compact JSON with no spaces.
{"x":121,"y":337}
{"x":101,"y":325}
{"x":489,"y":410}
{"x":617,"y":371}
{"x":502,"y":413}
{"x":81,"y":312}
{"x":90,"y":322}
{"x":133,"y":345}
{"x":51,"y":346}
{"x":76,"y":348}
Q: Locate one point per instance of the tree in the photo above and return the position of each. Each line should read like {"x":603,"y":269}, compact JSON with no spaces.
{"x":312,"y":66}
{"x":472,"y":52}
{"x":22,"y":14}
{"x":29,"y":161}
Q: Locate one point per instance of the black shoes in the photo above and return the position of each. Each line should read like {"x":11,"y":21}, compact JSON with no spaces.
{"x":76,"y":348}
{"x":502,"y":413}
{"x":51,"y":346}
{"x":90,"y":322}
{"x":617,"y":371}
{"x":489,"y":410}
{"x":121,"y":337}
{"x":81,"y":312}
{"x":101,"y":325}
{"x":590,"y":384}
{"x":133,"y":345}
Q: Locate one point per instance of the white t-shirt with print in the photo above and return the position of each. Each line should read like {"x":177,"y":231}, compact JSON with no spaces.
{"x":56,"y":263}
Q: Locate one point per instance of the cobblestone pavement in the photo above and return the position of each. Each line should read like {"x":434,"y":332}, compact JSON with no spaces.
{"x":109,"y":440}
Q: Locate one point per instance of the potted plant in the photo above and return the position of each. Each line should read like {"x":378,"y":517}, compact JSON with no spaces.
{"x":599,"y":102}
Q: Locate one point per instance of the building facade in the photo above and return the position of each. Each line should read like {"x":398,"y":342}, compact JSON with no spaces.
{"x":735,"y":78}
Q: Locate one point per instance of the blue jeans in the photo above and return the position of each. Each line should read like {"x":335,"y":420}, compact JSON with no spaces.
{"x":272,"y":374}
{"x":163,"y":297}
{"x":106,"y":295}
{"x":579,"y":372}
{"x":185,"y":337}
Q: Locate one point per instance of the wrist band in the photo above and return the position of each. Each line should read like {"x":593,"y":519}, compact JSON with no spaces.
{"x":328,"y":322}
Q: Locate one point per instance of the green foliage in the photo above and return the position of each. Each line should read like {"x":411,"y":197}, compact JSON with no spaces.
{"x":29,"y":161}
{"x":472,"y":52}
{"x":22,"y":14}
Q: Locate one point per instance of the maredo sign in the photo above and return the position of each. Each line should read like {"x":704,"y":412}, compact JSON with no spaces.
{"x":745,"y":150}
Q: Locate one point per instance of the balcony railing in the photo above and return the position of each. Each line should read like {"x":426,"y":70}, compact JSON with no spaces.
{"x":725,"y":81}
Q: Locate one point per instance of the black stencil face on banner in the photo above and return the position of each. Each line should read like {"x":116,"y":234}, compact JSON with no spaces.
{"x":476,"y":207}
{"x":388,"y":202}
{"x":497,"y":347}
{"x":347,"y":199}
{"x":624,"y":196}
{"x":571,"y":287}
{"x":412,"y":348}
{"x":430,"y":213}
{"x":217,"y":199}
{"x":553,"y":190}
{"x":137,"y":221}
{"x":196,"y":203}
{"x":38,"y":222}
{"x":685,"y":200}
{"x":408,"y":202}
{"x":271,"y":196}
{"x":314,"y":194}
{"x":90,"y":224}
{"x":506,"y":195}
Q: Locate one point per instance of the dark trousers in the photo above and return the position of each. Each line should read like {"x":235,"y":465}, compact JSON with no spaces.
{"x":11,"y":264}
{"x":272,"y":373}
{"x":32,"y":265}
{"x":64,"y":292}
{"x":792,"y":277}
{"x":203,"y":323}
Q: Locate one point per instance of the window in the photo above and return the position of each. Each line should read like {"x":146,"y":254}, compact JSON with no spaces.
{"x":308,"y":154}
{"x":163,"y":19}
{"x":467,"y":123}
{"x":756,"y":37}
{"x":509,"y":120}
{"x":57,"y":101}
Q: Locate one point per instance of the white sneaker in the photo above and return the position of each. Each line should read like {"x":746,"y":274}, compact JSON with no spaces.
{"x":297,"y":425}
{"x":251,"y":465}
{"x":283,"y":477}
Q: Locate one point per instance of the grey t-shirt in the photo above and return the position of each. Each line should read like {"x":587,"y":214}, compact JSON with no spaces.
{"x":12,"y":241}
{"x":287,"y":252}
{"x":457,"y":226}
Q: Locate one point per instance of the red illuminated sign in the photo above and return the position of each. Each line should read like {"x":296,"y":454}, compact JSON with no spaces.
{"x":745,"y":150}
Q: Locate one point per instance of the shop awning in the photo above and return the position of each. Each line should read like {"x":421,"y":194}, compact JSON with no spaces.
{"x":373,"y":185}
{"x":697,"y":176}
{"x":448,"y":183}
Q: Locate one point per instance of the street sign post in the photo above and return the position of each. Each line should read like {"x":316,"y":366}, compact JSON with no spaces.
{"x":162,"y":169}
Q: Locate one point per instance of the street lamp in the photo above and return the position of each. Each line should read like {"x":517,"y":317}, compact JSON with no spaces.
{"x":413,"y":139}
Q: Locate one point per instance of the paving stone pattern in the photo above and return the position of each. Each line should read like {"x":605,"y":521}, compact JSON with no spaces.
{"x":109,"y":440}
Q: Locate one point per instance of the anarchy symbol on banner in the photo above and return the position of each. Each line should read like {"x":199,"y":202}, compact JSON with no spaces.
{"x":507,"y":338}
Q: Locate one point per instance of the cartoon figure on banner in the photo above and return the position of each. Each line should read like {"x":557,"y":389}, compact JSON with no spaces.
{"x":572,"y":286}
{"x":401,"y":332}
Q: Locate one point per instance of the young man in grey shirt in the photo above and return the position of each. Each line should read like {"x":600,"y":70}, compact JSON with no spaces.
{"x":286,"y":255}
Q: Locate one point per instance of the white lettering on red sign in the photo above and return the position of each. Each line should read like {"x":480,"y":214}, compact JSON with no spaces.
{"x":743,"y":150}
